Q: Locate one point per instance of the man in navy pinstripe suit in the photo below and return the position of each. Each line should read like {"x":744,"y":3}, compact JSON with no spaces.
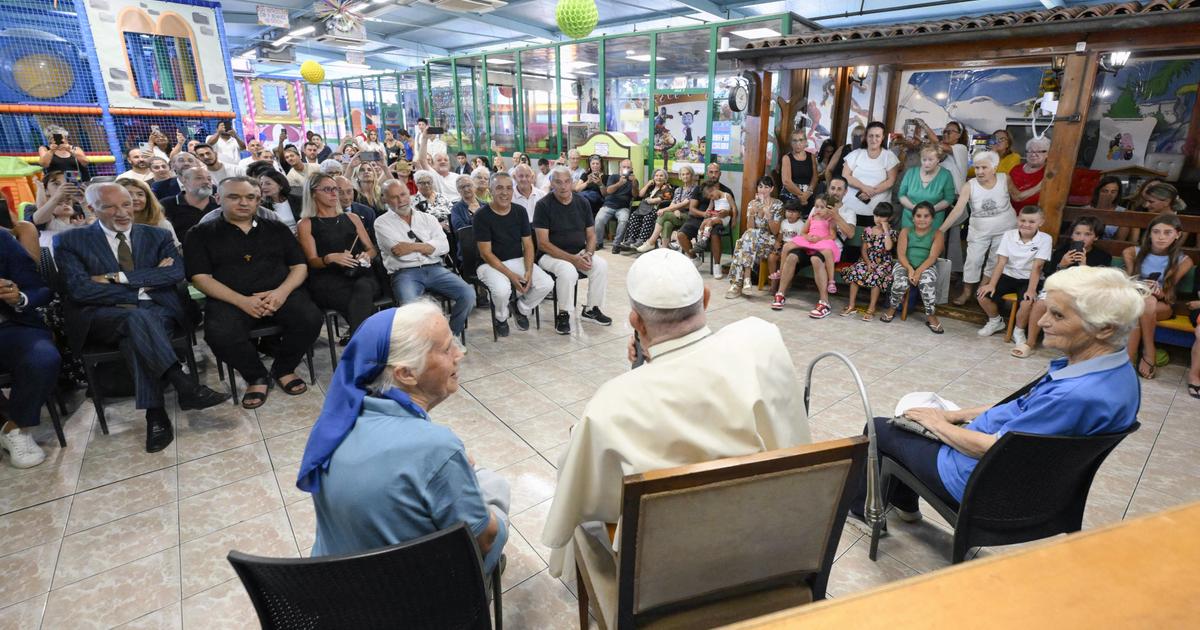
{"x":121,"y":283}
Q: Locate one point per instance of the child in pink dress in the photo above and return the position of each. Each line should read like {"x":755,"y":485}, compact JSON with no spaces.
{"x":819,"y":236}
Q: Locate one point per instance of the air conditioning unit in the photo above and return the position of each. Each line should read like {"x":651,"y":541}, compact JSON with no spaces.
{"x":464,"y":6}
{"x":283,"y":56}
{"x":330,"y":32}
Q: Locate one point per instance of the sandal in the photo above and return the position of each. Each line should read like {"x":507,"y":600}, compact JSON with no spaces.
{"x":937,"y":330}
{"x":254,"y":400}
{"x":848,"y":311}
{"x":1148,"y":374}
{"x":777,"y":305}
{"x":868,"y":316}
{"x":887,"y":318}
{"x":1193,"y":390}
{"x":1022,"y":351}
{"x":294,"y":387}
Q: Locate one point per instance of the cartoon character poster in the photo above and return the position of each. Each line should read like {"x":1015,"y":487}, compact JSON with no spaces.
{"x":1123,"y":142}
{"x":679,"y":126}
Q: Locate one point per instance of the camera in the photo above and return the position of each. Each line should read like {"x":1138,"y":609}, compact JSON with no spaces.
{"x":435,"y":131}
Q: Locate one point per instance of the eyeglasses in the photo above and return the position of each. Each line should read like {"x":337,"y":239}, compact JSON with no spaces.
{"x":329,"y":190}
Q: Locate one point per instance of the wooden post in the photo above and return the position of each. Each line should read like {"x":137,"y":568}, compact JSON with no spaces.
{"x":1079,"y":79}
{"x":754,"y":160}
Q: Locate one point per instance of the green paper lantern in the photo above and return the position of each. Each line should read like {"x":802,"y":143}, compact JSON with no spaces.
{"x":577,"y":18}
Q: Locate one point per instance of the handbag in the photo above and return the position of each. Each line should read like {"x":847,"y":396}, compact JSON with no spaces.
{"x":943,"y":280}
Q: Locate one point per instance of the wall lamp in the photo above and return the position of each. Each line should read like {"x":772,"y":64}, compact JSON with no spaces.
{"x":1114,"y":61}
{"x":860,"y":74}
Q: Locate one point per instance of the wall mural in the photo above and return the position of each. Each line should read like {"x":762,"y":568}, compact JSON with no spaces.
{"x":1161,"y":89}
{"x":983,"y":100}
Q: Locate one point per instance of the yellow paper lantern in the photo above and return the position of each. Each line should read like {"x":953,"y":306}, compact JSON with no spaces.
{"x":576,"y":18}
{"x":43,"y":76}
{"x":312,"y":71}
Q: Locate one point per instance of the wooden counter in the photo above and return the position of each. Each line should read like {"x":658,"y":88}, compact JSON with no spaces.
{"x":1142,"y":573}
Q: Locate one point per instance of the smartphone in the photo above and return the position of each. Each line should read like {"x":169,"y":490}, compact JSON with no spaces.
{"x":71,"y":177}
{"x":368,"y":156}
{"x":1077,"y":246}
{"x":57,"y":138}
{"x":435,"y":131}
{"x":1154,"y":276}
{"x":155,"y":129}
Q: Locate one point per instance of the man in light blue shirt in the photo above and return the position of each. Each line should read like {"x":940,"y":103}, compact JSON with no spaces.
{"x":386,"y":474}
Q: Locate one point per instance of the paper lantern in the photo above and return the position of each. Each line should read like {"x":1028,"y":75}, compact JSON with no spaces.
{"x":577,"y":18}
{"x":43,"y":76}
{"x":312,"y":71}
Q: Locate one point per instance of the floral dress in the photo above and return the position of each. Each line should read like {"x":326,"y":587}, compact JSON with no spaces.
{"x":439,"y":207}
{"x":754,"y":244}
{"x":877,"y":254}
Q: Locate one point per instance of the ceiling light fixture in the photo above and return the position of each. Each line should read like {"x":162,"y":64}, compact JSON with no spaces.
{"x":500,"y":62}
{"x":1114,"y":61}
{"x":755,"y":33}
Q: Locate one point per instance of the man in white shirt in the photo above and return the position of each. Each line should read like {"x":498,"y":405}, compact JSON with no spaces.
{"x":412,"y":244}
{"x":217,"y":169}
{"x":139,"y":165}
{"x":525,"y":193}
{"x":227,"y":144}
{"x":445,"y":179}
{"x":678,"y":408}
{"x":543,"y":175}
{"x":573,"y":163}
{"x":255,"y":147}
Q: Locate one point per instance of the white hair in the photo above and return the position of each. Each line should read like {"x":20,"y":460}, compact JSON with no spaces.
{"x":423,"y":175}
{"x":464,"y":182}
{"x":522,"y":166}
{"x":1040,"y":142}
{"x":497,"y":176}
{"x":332,"y":167}
{"x":92,"y":194}
{"x":1104,"y":297}
{"x":989,"y":157}
{"x":410,"y":341}
{"x":561,"y":169}
{"x":481,"y":171}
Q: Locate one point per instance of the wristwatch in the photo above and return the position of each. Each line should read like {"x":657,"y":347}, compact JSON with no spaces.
{"x":112,"y":278}
{"x":22,"y":302}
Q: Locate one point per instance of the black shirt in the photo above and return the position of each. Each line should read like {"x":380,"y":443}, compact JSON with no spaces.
{"x":568,"y":223}
{"x":184,"y":215}
{"x":1094,"y":258}
{"x":584,"y":178}
{"x":247,"y":262}
{"x":624,"y":195}
{"x":504,"y":232}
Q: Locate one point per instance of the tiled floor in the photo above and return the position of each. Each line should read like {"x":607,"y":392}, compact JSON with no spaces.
{"x":103,"y":534}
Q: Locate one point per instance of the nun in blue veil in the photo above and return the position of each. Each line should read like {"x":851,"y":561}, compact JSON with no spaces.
{"x":380,"y":472}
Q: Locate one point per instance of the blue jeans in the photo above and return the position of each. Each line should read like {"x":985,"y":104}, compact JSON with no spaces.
{"x":602,"y":217}
{"x":410,"y":284}
{"x":29,"y":354}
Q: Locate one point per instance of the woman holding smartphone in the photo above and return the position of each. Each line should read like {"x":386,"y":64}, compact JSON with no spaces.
{"x":60,"y":155}
{"x":1159,"y":263}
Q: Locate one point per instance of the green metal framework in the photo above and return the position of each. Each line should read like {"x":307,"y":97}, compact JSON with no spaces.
{"x":482,"y":125}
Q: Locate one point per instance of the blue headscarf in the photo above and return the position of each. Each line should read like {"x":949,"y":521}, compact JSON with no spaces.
{"x":365,"y":357}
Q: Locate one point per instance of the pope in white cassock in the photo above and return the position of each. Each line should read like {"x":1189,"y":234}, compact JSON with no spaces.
{"x":701,"y":395}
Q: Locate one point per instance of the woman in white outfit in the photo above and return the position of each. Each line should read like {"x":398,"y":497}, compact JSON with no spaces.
{"x":870,"y":173}
{"x":991,"y":215}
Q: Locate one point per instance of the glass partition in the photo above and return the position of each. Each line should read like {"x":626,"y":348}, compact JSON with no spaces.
{"x":501,"y":101}
{"x":539,"y":100}
{"x":579,"y":95}
{"x":410,"y":98}
{"x":682,"y":60}
{"x":727,"y":143}
{"x":444,"y":113}
{"x":470,"y":74}
{"x":822,"y":89}
{"x":627,"y":93}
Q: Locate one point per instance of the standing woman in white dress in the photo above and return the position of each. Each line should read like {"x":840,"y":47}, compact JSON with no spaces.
{"x":992,"y":215}
{"x":870,"y":173}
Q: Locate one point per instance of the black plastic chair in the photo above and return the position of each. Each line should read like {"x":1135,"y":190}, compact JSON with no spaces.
{"x":93,"y":356}
{"x":259,"y":333}
{"x":470,"y":262}
{"x":52,"y":406}
{"x":333,"y":328}
{"x":1025,"y":487}
{"x":435,"y":581}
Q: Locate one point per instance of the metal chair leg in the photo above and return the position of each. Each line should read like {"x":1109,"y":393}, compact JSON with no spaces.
{"x":497,"y":596}
{"x":89,"y":370}
{"x":57,"y":420}
{"x":329,"y":319}
{"x":312,"y":372}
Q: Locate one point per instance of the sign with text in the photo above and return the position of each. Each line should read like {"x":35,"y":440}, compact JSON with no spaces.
{"x":722,"y":137}
{"x":273,"y":16}
{"x":356,"y":57}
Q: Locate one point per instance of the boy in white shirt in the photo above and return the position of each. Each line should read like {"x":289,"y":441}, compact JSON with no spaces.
{"x":1019,"y":260}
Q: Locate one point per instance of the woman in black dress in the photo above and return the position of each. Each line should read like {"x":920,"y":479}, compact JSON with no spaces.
{"x":339,"y":253}
{"x":799,"y":171}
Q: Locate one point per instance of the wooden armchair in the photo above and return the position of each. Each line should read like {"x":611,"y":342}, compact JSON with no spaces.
{"x":714,"y":543}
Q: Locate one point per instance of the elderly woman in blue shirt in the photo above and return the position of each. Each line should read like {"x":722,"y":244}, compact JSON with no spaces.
{"x":379,"y":470}
{"x":1092,"y":390}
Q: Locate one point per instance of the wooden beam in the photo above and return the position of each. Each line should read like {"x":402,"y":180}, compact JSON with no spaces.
{"x":755,"y":129}
{"x":841,"y":107}
{"x":1079,"y":78}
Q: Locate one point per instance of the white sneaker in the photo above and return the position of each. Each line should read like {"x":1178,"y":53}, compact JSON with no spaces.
{"x":645,"y":247}
{"x":23,"y":452}
{"x":1018,"y":336}
{"x":716,"y":272}
{"x":993,"y":326}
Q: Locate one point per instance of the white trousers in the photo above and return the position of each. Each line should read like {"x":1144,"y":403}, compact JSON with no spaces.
{"x":566,"y":276}
{"x":981,"y":255}
{"x":501,"y":288}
